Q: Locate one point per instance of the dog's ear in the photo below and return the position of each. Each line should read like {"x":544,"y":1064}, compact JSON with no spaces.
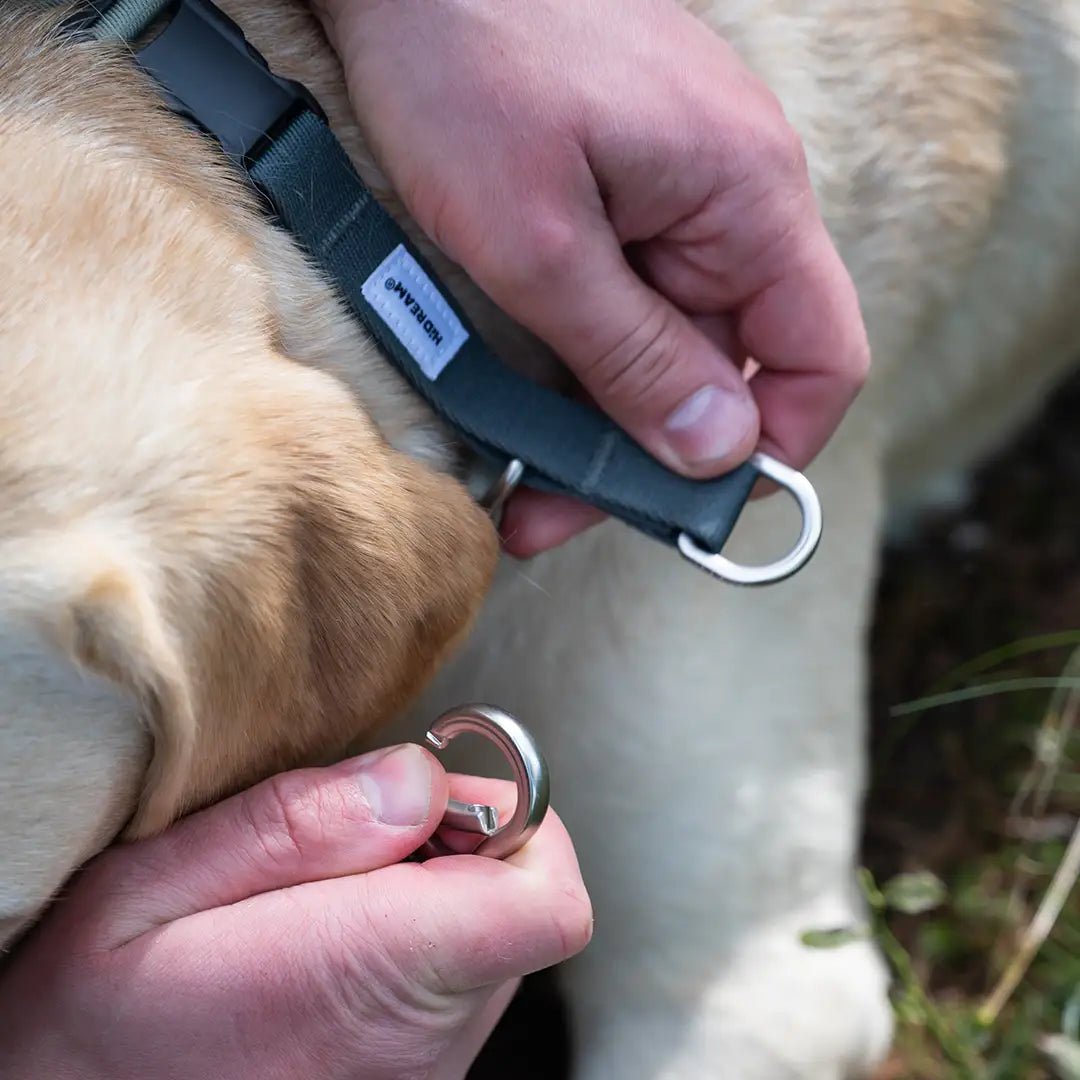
{"x":114,"y":629}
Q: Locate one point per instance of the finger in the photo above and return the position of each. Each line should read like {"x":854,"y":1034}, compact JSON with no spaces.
{"x":447,"y":926}
{"x":536,"y":521}
{"x":301,"y":826}
{"x":807,"y":333}
{"x":720,"y":330}
{"x":500,"y":794}
{"x":644,"y":362}
{"x":555,"y":851}
{"x":796,"y":313}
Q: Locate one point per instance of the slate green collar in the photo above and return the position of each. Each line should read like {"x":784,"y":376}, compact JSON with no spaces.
{"x":276,"y":133}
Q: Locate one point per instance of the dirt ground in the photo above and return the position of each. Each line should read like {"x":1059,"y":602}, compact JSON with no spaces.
{"x":1006,"y":568}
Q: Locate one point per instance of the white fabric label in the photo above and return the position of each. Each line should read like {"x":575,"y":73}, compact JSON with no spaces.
{"x":408,"y":302}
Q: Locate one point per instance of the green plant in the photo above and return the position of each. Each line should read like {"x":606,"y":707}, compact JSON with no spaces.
{"x":987,"y":969}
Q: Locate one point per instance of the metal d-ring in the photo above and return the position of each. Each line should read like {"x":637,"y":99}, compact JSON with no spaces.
{"x":530,"y":776}
{"x":495,"y":498}
{"x":802,"y":491}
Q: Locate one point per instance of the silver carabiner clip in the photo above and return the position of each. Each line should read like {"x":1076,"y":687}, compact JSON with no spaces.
{"x":530,"y":776}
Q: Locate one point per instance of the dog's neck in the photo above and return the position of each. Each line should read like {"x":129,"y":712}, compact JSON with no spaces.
{"x":106,"y":121}
{"x":186,"y":487}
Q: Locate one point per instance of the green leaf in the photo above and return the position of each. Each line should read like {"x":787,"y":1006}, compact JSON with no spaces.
{"x":907,"y":1007}
{"x":870,"y":890}
{"x":972,"y":693}
{"x":1014,"y":649}
{"x":914,"y":894}
{"x":834,"y":939}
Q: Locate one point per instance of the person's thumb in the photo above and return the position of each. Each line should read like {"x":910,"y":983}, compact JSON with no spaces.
{"x":646,"y":364}
{"x":297,"y":827}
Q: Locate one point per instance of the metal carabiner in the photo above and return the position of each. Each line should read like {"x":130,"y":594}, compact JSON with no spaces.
{"x":530,"y":776}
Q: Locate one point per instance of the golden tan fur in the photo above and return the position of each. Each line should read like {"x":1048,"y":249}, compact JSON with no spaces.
{"x":186,"y":510}
{"x":210,"y":530}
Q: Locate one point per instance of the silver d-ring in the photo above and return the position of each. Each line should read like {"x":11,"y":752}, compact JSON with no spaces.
{"x":802,"y":491}
{"x":530,"y":777}
{"x":495,"y":498}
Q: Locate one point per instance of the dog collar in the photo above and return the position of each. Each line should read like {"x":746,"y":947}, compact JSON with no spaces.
{"x":276,"y":133}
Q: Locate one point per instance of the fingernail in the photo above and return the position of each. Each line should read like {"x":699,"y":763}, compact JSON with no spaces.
{"x":709,"y":425}
{"x":397,"y":785}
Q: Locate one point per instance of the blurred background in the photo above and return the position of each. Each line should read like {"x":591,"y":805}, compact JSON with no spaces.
{"x":975,"y":790}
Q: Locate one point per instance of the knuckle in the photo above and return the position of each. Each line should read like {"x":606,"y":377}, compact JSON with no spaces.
{"x":122,"y":879}
{"x":351,"y":961}
{"x":549,"y":245}
{"x":378,"y":970}
{"x":780,"y":148}
{"x":627,"y":373}
{"x":285,"y":818}
{"x":436,"y":978}
{"x":857,"y":369}
{"x":861,"y":363}
{"x":853,"y":367}
{"x":574,"y":921}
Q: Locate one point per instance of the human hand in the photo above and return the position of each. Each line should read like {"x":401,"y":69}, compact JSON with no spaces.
{"x":611,"y":174}
{"x":278,"y":935}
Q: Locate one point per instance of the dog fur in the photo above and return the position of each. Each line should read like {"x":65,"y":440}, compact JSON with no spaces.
{"x":204,"y":539}
{"x":229,"y":542}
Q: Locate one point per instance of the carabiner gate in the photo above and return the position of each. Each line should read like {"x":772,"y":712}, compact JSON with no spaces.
{"x":530,"y":776}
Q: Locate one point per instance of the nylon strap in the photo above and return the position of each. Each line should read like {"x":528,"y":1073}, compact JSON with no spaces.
{"x":317,"y":196}
{"x":125,"y":20}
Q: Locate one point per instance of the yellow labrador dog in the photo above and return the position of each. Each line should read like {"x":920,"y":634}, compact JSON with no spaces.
{"x":231,"y":542}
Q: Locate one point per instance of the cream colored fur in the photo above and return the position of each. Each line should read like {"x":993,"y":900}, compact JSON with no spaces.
{"x":174,"y":471}
{"x":212,"y":564}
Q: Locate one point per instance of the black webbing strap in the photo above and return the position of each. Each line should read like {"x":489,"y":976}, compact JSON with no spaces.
{"x":277,"y":134}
